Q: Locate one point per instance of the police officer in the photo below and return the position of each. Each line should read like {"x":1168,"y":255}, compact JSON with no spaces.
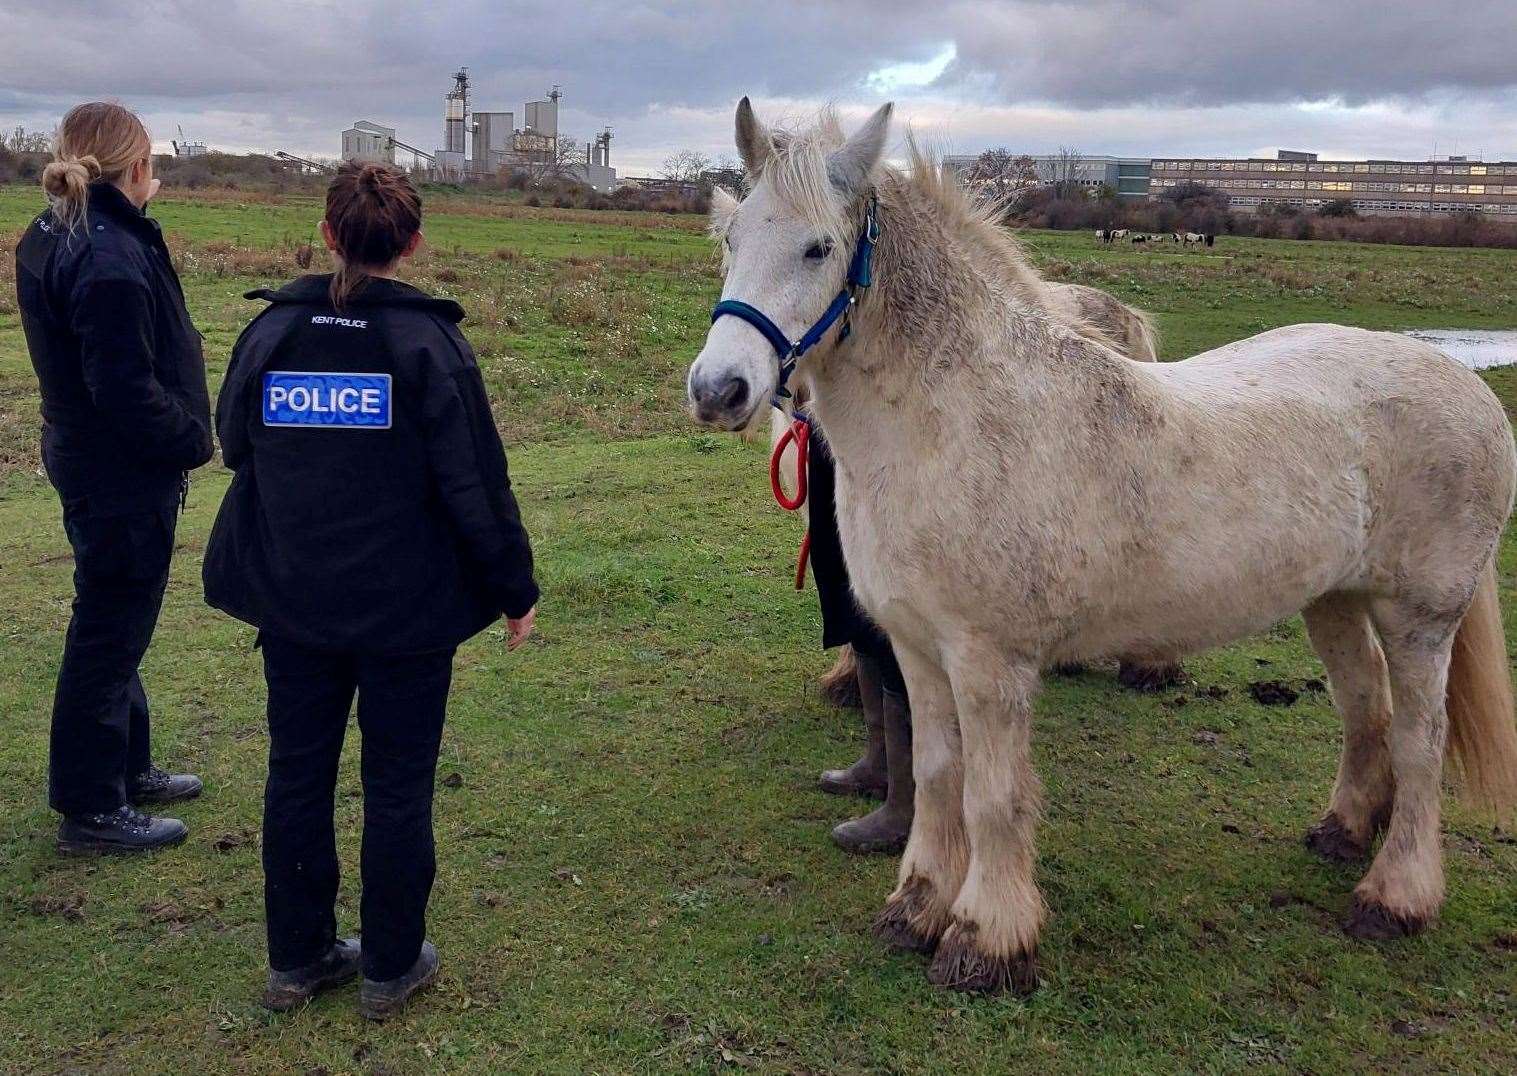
{"x":368,"y":530}
{"x":884,"y":770}
{"x":125,"y":417}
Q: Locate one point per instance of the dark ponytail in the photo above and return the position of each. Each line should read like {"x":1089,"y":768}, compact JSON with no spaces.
{"x":373,"y":211}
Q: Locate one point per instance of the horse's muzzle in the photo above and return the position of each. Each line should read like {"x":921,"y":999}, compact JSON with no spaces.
{"x":725,"y":400}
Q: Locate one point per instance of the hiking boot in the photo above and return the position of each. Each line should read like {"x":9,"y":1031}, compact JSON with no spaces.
{"x":156,"y":786}
{"x":290,"y":989}
{"x":885,"y":829}
{"x":868,"y":776}
{"x":380,"y":1001}
{"x":120,"y":831}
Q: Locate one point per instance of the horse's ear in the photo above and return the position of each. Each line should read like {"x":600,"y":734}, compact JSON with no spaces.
{"x":851,"y":167}
{"x":754,"y":142}
{"x":723,"y":204}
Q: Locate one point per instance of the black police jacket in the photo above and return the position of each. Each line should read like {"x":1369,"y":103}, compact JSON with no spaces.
{"x":125,"y":409}
{"x":370,"y":510}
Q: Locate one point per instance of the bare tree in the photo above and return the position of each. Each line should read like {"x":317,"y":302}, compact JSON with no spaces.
{"x":686,"y":166}
{"x":23,"y":141}
{"x":1067,"y":165}
{"x":556,"y":159}
{"x":727,"y":172}
{"x":1001,"y":175}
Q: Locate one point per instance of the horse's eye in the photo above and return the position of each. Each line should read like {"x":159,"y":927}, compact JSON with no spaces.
{"x":819,"y":249}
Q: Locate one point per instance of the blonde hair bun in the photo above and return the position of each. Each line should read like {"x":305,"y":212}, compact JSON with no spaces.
{"x":68,"y":178}
{"x":96,"y":140}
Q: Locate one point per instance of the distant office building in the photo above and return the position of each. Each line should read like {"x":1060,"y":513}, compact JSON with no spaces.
{"x":1128,"y":176}
{"x":369,"y":142}
{"x":1398,"y":188}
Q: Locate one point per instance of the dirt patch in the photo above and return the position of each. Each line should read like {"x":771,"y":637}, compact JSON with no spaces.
{"x":1273,"y":693}
{"x":229,"y":841}
{"x":69,"y":906}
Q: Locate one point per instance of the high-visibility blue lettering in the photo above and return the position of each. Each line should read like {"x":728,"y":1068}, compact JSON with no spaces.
{"x":330,"y":400}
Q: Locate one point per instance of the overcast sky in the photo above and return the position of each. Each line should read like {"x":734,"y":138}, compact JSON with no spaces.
{"x":1351,"y":78}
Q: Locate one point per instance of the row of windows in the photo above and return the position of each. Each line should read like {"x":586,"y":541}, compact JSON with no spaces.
{"x":1373,"y":204}
{"x":1443,"y":168}
{"x":1345,"y":185}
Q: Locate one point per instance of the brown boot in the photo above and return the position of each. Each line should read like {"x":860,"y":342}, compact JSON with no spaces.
{"x":885,"y":829}
{"x":868,"y":776}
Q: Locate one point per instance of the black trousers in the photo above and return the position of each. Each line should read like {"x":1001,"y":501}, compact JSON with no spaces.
{"x":401,"y":705}
{"x":843,"y":622}
{"x":101,"y":732}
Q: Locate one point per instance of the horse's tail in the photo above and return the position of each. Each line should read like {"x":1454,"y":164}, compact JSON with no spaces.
{"x":840,"y":685}
{"x":1142,"y":336}
{"x":1482,"y":728}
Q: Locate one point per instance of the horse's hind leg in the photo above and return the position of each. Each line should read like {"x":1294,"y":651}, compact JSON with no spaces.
{"x":1404,"y":887}
{"x":937,"y":852}
{"x":1344,"y":638}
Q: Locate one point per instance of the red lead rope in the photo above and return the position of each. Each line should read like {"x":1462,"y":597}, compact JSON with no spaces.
{"x":799,"y":433}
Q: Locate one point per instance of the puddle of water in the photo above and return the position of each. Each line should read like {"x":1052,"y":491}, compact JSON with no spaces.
{"x":1476,"y":348}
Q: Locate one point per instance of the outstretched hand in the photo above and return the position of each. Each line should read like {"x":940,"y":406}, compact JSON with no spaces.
{"x":521,"y":627}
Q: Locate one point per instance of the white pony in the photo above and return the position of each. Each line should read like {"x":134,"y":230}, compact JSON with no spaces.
{"x":1012,"y":494}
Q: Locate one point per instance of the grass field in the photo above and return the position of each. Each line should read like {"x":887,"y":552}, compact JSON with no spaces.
{"x":634,"y":873}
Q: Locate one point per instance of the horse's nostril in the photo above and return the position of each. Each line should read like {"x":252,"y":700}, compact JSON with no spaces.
{"x":735,"y":394}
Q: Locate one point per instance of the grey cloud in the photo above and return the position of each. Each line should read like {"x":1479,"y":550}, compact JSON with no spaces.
{"x":1230,"y":51}
{"x":292,"y":72}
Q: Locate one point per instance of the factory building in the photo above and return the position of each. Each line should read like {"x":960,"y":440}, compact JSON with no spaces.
{"x":597,"y":172}
{"x":494,"y":141}
{"x":477,"y":144}
{"x":542,"y":116}
{"x":369,"y":142}
{"x":1395,"y":188}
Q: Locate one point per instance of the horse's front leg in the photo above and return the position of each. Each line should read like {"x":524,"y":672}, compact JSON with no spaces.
{"x":937,"y":853}
{"x":992,"y":941}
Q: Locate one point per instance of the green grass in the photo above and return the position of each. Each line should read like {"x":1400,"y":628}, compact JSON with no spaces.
{"x":634,"y":873}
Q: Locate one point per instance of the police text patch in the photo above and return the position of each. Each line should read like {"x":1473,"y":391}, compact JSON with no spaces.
{"x":343,"y":401}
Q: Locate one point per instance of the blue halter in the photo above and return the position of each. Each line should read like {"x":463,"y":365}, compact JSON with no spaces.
{"x":860,"y":275}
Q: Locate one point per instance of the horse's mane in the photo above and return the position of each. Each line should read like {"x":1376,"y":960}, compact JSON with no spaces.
{"x":797,"y":170}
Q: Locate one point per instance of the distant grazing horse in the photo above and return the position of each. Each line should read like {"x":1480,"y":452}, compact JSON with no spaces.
{"x":1012,"y":494}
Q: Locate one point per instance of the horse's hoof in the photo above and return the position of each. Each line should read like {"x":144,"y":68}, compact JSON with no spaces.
{"x":1148,"y":679}
{"x":1331,"y":840}
{"x":961,"y":965}
{"x":904,"y":922}
{"x":1373,"y":921}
